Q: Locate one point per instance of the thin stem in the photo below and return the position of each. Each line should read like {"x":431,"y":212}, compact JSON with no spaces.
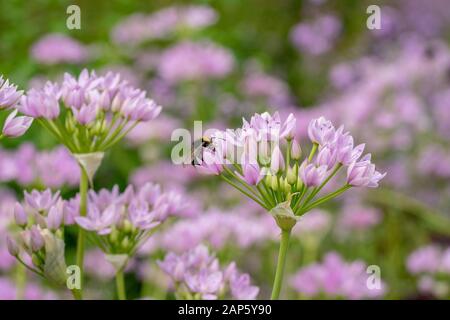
{"x":81,"y":237}
{"x":21,"y":281}
{"x":284,"y":244}
{"x":245,"y":192}
{"x":325,"y":198}
{"x":120,"y":285}
{"x":313,"y":151}
{"x":317,"y":190}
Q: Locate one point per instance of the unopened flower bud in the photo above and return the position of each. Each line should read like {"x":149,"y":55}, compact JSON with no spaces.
{"x":54,"y":218}
{"x":263,"y":152}
{"x":277,"y":160}
{"x":127,"y":226}
{"x":20,"y":216}
{"x":114,"y":235}
{"x":291,"y":177}
{"x":274,"y":183}
{"x":286,"y":186}
{"x":36,"y":239}
{"x":125,"y":243}
{"x":268,"y":179}
{"x":13,"y":247}
{"x":296,"y":150}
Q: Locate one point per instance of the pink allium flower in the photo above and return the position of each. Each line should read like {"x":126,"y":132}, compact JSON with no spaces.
{"x":9,"y":95}
{"x":360,"y":218}
{"x":424,"y":260}
{"x":318,"y":36}
{"x":58,"y":48}
{"x":195,"y":61}
{"x":363,"y":174}
{"x":138,"y":28}
{"x":107,"y":105}
{"x":258,"y":84}
{"x":315,"y":222}
{"x":335,"y":278}
{"x":321,"y":131}
{"x":200,"y":274}
{"x":311,"y":175}
{"x":16,"y":126}
{"x":41,"y":103}
{"x":41,"y":201}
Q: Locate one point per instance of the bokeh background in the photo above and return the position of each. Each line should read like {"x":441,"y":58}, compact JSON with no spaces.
{"x":227,"y":59}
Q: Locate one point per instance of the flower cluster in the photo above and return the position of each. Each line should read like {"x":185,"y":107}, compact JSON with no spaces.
{"x":273,"y":178}
{"x":139,"y":28}
{"x":195,"y":61}
{"x":14,"y":126}
{"x":196,"y":274}
{"x":40,"y":243}
{"x":334,"y":278}
{"x":29,"y":167}
{"x":432,"y":265}
{"x":89,"y":113}
{"x":316,"y":37}
{"x":120,"y":222}
{"x":217,"y":228}
{"x":58,"y":48}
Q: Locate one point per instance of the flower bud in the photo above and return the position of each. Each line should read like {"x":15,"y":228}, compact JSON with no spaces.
{"x":20,"y":216}
{"x":54,"y":218}
{"x":274,"y":183}
{"x":296,"y":150}
{"x":36,"y":239}
{"x":127,"y":226}
{"x":268,"y":178}
{"x":291,"y":177}
{"x":125,"y":243}
{"x":277,"y":160}
{"x":13,"y":247}
{"x":114,"y":235}
{"x":286,"y":186}
{"x":263,"y":152}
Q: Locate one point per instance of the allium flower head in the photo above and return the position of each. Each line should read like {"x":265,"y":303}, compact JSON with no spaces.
{"x":94,"y":112}
{"x":57,"y":48}
{"x":199,"y":275}
{"x":265,"y":157}
{"x":41,"y":241}
{"x":124,"y":221}
{"x":139,"y":28}
{"x":195,"y":61}
{"x":335,"y":278}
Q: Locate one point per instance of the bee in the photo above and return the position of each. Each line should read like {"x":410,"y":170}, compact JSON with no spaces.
{"x":198,"y":147}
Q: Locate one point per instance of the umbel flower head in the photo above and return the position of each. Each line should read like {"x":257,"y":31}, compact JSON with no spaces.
{"x":89,"y":113}
{"x":40,"y":243}
{"x":198,"y":275}
{"x":120,"y":222}
{"x":264,"y":161}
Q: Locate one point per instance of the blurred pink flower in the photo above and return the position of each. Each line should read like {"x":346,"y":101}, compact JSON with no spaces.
{"x":59,"y":48}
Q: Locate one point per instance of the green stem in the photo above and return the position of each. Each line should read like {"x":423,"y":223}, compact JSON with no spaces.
{"x":284,"y":243}
{"x":21,"y":281}
{"x":313,"y":151}
{"x":326,"y":198}
{"x":81,"y":237}
{"x":120,"y":285}
{"x":257,"y":200}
